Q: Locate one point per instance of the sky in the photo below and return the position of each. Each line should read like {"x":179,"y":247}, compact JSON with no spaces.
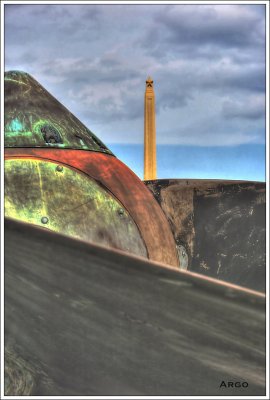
{"x":207,"y":62}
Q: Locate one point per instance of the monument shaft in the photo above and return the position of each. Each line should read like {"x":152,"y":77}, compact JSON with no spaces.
{"x":150,"y":163}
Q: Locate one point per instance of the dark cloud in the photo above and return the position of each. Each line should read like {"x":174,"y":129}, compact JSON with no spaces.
{"x":207,"y":62}
{"x":205,"y":26}
{"x":51,"y":26}
{"x":232,"y":77}
{"x":251,"y":108}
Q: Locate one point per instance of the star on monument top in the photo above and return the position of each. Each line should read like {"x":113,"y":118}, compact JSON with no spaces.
{"x":149,"y":81}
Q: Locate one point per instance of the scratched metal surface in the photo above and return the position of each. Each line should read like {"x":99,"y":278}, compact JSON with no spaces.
{"x":65,"y":200}
{"x":34,"y":118}
{"x":219,"y":227}
{"x":84,"y":320}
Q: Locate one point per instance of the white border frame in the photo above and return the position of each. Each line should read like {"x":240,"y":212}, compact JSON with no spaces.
{"x":266,"y":3}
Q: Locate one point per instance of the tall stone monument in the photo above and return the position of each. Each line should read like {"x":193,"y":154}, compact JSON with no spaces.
{"x":150,"y":162}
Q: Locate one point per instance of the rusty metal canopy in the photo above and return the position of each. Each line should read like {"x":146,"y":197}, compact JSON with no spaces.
{"x":34,"y":118}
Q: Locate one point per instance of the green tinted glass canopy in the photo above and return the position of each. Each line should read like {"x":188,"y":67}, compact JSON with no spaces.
{"x":34,"y":118}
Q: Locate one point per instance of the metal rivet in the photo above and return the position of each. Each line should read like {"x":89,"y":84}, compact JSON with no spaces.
{"x":121,"y":211}
{"x":59,"y":168}
{"x":44,"y":220}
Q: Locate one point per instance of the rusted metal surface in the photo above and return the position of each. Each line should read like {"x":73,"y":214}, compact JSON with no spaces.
{"x":126,"y":187}
{"x":65,"y":200}
{"x":84,"y":320}
{"x":37,"y":125}
{"x":219,"y":227}
{"x":34,"y":118}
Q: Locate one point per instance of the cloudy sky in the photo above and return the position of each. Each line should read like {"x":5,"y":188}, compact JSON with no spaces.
{"x":207,"y":62}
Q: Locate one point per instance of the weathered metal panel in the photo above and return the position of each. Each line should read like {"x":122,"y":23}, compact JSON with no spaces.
{"x":84,"y":320}
{"x":65,"y":200}
{"x":219,"y":227}
{"x":34,"y":118}
{"x":126,"y":187}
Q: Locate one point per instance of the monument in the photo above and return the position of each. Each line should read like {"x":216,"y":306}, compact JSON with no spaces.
{"x":150,"y":163}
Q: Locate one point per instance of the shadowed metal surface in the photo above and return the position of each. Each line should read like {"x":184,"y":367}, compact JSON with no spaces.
{"x":219,"y":227}
{"x":90,"y":321}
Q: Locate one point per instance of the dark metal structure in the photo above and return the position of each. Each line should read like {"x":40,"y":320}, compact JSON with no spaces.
{"x":219,"y":227}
